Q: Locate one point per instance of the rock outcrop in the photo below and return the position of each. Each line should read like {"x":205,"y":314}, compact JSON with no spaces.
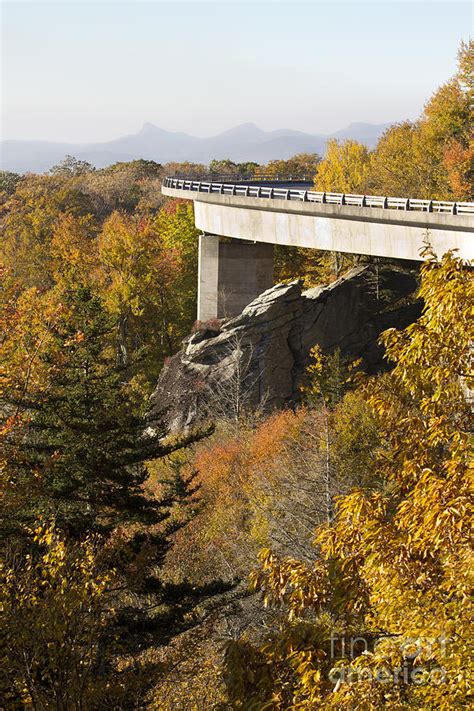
{"x":259,"y":357}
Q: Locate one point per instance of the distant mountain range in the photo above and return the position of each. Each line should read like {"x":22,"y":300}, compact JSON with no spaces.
{"x":246,"y":142}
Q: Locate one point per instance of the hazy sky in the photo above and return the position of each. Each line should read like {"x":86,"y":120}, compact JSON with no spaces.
{"x":86,"y":71}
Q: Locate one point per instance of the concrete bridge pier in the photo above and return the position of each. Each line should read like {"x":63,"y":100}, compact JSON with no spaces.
{"x":231,"y":274}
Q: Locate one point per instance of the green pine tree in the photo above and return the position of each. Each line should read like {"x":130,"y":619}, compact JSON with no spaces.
{"x":84,"y":446}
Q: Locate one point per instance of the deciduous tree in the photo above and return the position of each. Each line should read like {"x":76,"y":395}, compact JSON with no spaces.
{"x":395,"y":563}
{"x":344,"y":168}
{"x":56,"y":651}
{"x":432,"y":157}
{"x":301,"y":165}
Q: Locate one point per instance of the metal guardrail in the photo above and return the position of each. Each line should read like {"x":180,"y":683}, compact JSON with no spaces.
{"x":250,"y":178}
{"x":275,"y":193}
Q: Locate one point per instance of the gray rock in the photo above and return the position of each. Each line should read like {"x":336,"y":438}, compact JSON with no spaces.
{"x":258,"y":358}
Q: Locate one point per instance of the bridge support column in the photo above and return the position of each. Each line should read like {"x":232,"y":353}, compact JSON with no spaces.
{"x":231,"y":274}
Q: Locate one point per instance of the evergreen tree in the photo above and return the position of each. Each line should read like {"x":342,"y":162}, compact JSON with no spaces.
{"x":78,"y":445}
{"x":73,"y":465}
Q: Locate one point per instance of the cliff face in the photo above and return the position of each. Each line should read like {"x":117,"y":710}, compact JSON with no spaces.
{"x":258,"y":358}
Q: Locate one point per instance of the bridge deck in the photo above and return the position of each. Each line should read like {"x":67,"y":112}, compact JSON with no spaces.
{"x":288,"y":212}
{"x":301,"y":190}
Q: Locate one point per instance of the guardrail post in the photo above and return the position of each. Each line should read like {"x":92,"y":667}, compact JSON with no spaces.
{"x":199,"y":187}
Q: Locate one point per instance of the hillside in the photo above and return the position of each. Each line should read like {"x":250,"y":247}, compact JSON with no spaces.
{"x":268,"y":511}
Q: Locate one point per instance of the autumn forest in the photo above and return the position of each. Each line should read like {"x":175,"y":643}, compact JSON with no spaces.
{"x":317,"y":556}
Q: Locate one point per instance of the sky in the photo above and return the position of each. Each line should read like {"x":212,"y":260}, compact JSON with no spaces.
{"x":93,"y":71}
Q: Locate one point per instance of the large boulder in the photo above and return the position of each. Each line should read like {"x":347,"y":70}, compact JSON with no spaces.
{"x":258,"y":358}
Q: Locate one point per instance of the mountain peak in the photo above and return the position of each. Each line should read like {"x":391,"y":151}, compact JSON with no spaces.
{"x":149,"y":128}
{"x":244,"y":130}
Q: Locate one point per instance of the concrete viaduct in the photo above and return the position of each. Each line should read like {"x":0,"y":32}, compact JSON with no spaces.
{"x":257,"y":215}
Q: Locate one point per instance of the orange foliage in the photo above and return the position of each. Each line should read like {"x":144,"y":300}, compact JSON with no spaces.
{"x":272,"y":436}
{"x":234,"y":470}
{"x":172,"y":206}
{"x":458,"y":161}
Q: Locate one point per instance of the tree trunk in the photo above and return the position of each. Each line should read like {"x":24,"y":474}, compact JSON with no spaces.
{"x":122,"y":332}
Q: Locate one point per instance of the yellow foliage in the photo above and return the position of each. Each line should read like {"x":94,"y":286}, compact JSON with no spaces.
{"x":53,"y":615}
{"x":344,"y":169}
{"x":396,"y":565}
{"x":430,"y":158}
